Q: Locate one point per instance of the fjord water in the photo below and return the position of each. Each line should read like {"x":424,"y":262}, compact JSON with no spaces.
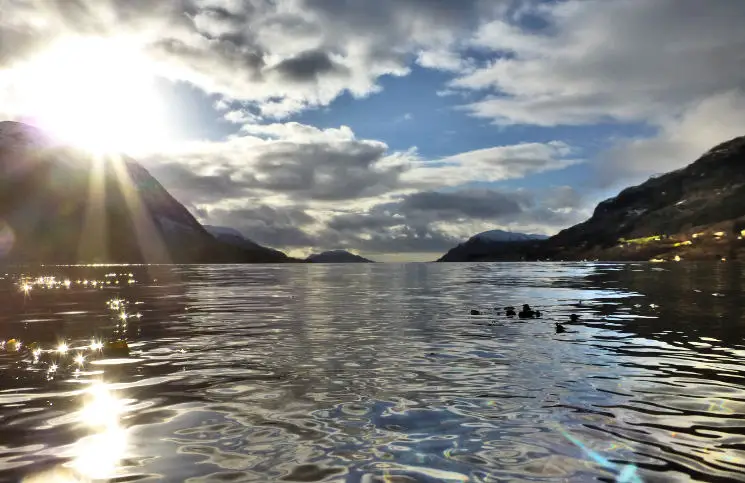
{"x":371,"y":373}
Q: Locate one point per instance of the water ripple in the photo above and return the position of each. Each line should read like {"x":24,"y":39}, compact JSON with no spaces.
{"x":373,"y":373}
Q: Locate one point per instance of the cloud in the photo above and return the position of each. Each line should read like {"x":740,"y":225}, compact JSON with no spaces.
{"x":295,"y":186}
{"x":670,"y":65}
{"x":195,"y":188}
{"x":304,"y":164}
{"x":680,"y":140}
{"x":494,"y":164}
{"x":300,"y":163}
{"x":445,"y":60}
{"x":274,"y":226}
{"x":284,"y":56}
{"x":434,"y":221}
{"x":600,"y":60}
{"x":308,"y":66}
{"x":483,"y":204}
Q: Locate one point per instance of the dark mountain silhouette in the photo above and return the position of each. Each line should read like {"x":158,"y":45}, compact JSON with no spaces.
{"x":62,"y":205}
{"x":694,"y":213}
{"x":697,"y":212}
{"x":233,"y":237}
{"x":492,"y":245}
{"x":337,"y":256}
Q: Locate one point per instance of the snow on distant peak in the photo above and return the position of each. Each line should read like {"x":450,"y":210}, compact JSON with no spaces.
{"x":506,"y":236}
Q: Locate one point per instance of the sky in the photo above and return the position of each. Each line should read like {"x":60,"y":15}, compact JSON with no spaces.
{"x":395,"y":129}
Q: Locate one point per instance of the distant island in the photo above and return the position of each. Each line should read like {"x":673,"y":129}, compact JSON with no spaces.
{"x":337,"y":256}
{"x":694,"y":213}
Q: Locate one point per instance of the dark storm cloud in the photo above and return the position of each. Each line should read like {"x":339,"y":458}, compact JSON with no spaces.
{"x":308,"y":66}
{"x":326,"y":171}
{"x":472,"y":204}
{"x":357,"y":222}
{"x":420,"y":210}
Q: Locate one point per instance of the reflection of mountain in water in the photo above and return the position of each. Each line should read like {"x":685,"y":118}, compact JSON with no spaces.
{"x":693,"y":307}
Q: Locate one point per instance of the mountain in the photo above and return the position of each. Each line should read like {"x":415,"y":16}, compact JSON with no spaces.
{"x":697,"y":212}
{"x":337,"y":256}
{"x":233,"y":237}
{"x":693,"y":213}
{"x":61,"y":205}
{"x":506,"y":236}
{"x":492,"y":245}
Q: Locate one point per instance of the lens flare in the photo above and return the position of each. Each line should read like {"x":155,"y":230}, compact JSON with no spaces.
{"x":626,"y":474}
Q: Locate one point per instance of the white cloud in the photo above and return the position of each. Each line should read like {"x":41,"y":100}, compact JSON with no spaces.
{"x":284,"y":55}
{"x":599,"y":60}
{"x":680,"y":141}
{"x":442,"y":59}
{"x":493,"y":164}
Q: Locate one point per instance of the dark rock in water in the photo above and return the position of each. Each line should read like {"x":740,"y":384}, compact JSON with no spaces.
{"x":526,"y":312}
{"x":475,"y":312}
{"x":560,"y":328}
{"x":574,"y":317}
{"x":59,"y":204}
{"x":116,"y":348}
{"x":510,"y":311}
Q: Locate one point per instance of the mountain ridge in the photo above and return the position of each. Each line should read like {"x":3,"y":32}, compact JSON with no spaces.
{"x":495,"y":244}
{"x":693,"y":213}
{"x":59,"y":204}
{"x":337,"y":256}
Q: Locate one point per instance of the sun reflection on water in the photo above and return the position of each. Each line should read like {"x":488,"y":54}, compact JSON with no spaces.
{"x":98,"y":455}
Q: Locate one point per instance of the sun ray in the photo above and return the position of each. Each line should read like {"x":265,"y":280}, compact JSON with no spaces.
{"x":93,"y":246}
{"x":152,"y":246}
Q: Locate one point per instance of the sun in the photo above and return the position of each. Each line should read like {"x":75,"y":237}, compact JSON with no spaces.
{"x":95,"y":93}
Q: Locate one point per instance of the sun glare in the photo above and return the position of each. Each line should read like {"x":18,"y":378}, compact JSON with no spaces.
{"x":97,"y":94}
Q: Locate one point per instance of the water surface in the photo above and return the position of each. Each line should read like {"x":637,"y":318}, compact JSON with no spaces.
{"x":373,"y":373}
